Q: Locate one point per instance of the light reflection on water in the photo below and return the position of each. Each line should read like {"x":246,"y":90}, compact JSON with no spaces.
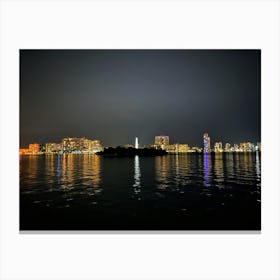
{"x":258,"y":165}
{"x":58,"y":168}
{"x":57,"y":178}
{"x":162,"y":172}
{"x":206,"y":169}
{"x":137,"y":175}
{"x":219,"y":170}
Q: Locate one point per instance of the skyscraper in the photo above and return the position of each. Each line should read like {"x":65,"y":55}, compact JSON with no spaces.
{"x":136,"y":143}
{"x":206,"y":143}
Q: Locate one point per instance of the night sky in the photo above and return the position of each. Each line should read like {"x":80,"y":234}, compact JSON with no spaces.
{"x":116,"y":95}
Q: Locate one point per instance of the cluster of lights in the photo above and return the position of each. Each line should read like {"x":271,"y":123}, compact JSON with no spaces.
{"x":218,"y":146}
{"x":83,"y":145}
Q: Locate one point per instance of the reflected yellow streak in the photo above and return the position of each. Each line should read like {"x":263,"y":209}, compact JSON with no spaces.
{"x":67,"y":169}
{"x":161,"y":168}
{"x":95,"y":163}
{"x":218,"y":167}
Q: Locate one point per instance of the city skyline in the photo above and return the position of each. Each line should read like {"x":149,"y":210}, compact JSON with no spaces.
{"x":76,"y":144}
{"x":113,"y":94}
{"x":132,"y":141}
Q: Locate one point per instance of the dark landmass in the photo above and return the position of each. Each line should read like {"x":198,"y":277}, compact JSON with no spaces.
{"x":125,"y":152}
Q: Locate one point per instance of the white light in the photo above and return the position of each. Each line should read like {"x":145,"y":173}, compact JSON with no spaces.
{"x":136,"y":143}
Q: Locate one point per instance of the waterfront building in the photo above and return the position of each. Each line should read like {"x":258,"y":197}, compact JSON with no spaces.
{"x":34,"y":148}
{"x":251,"y":147}
{"x":247,"y":147}
{"x":52,"y":148}
{"x":177,"y":148}
{"x":206,"y":143}
{"x":227,"y":147}
{"x":70,"y":145}
{"x":23,"y":151}
{"x":95,"y":146}
{"x":242,"y":147}
{"x":259,"y":147}
{"x":235,"y":148}
{"x":218,"y":147}
{"x":183,"y":148}
{"x":171,"y":149}
{"x":80,"y":145}
{"x":161,"y":141}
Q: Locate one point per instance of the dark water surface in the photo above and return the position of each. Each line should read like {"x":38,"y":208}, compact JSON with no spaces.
{"x":173,"y":192}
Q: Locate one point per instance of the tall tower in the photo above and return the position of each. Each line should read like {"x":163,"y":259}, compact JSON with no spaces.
{"x":136,"y":143}
{"x":206,"y":143}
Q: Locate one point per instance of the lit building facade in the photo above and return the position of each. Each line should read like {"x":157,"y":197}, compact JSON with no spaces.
{"x":247,"y":147}
{"x":34,"y":148}
{"x":218,"y":147}
{"x":80,"y":146}
{"x":23,"y":151}
{"x":95,"y":146}
{"x":171,"y":149}
{"x":52,"y":148}
{"x":177,"y":148}
{"x":183,"y":148}
{"x":206,"y":143}
{"x":70,"y":145}
{"x":74,"y":145}
{"x":161,"y":141}
{"x":235,"y":148}
{"x":227,"y":147}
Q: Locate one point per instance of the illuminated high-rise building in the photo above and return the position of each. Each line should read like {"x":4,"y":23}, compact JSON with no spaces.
{"x":206,"y":143}
{"x":94,"y":146}
{"x":51,"y":148}
{"x":80,"y":145}
{"x":70,"y":144}
{"x":34,"y":148}
{"x":136,"y":143}
{"x":162,"y":141}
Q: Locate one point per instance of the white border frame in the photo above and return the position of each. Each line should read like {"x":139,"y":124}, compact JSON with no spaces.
{"x":147,"y":24}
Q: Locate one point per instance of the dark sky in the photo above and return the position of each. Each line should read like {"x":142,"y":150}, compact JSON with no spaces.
{"x":115,"y":95}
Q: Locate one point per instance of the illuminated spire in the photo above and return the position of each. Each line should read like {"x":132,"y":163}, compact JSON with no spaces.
{"x":136,"y":143}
